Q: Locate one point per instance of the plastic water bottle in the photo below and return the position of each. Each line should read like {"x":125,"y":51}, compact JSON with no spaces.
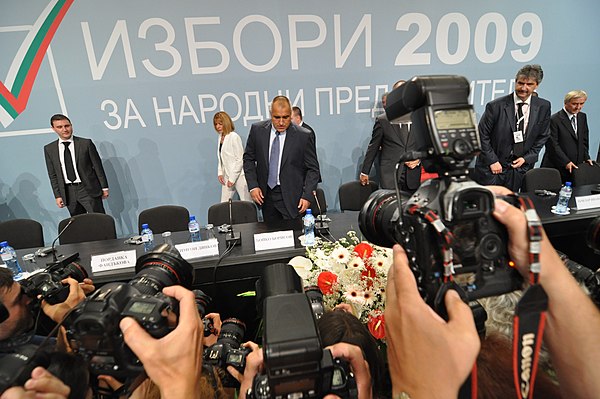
{"x":309,"y":228}
{"x":563,"y":199}
{"x":147,"y":238}
{"x":194,"y":228}
{"x":9,"y":257}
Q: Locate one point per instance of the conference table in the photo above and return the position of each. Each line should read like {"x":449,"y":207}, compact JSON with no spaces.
{"x":224,"y":279}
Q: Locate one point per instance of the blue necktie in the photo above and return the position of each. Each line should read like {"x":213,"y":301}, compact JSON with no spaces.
{"x":274,"y":162}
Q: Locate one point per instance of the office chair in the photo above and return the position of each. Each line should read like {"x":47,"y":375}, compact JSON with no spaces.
{"x":586,"y":174}
{"x":541,"y":179}
{"x":242,"y":212}
{"x":22,"y":233}
{"x":165,"y":218}
{"x":353,"y":195}
{"x":87,"y":227}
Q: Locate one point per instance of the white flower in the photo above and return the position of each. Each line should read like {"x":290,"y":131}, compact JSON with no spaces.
{"x":302,"y":266}
{"x":369,"y":297}
{"x":354,"y":294}
{"x":356,"y":263}
{"x":381,"y":263}
{"x":340,"y":255}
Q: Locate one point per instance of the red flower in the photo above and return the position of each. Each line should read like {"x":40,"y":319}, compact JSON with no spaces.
{"x":363,"y":250}
{"x":376,"y":325}
{"x":325,"y":281}
{"x":369,"y":274}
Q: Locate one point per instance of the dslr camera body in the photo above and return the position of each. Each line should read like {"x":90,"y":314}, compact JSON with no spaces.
{"x":296,"y":365}
{"x":93,"y":326}
{"x":48,"y":283}
{"x":446,"y":226}
{"x":228,"y":350}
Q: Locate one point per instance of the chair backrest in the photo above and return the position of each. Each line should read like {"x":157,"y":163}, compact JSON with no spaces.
{"x":241,"y":211}
{"x":586,"y":174}
{"x":353,"y":195}
{"x":87,"y":227}
{"x":165,"y":218}
{"x":541,"y":179}
{"x":22,"y":233}
{"x":322,"y":203}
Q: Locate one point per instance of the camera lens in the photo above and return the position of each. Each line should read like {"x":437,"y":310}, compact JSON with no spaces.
{"x":163,"y":267}
{"x":75,"y":271}
{"x":232,"y":332}
{"x":202,"y":301}
{"x":378,"y":217}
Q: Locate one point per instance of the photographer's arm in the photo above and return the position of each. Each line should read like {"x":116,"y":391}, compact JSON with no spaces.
{"x":254,"y":365}
{"x":76,"y":295}
{"x":573,"y":321}
{"x":428,"y":357}
{"x":173,"y":362}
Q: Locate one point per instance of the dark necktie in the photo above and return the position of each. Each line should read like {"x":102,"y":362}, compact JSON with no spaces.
{"x":574,"y":124}
{"x":518,"y":147}
{"x":69,"y":163}
{"x":274,"y":162}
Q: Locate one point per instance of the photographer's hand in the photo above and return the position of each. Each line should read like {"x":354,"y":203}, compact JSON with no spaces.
{"x":42,"y":384}
{"x":254,"y":366}
{"x":496,"y":168}
{"x":173,"y":362}
{"x":353,"y":355}
{"x":58,"y":312}
{"x":573,"y":321}
{"x":87,"y":286}
{"x":216,"y":322}
{"x":428,"y":357}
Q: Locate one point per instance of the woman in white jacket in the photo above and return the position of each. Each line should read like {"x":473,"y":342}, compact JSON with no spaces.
{"x":230,"y":154}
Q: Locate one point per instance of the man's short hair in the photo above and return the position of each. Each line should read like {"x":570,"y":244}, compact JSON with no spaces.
{"x":297,"y":111}
{"x":58,"y":117}
{"x":531,"y":71}
{"x":6,"y":279}
{"x":575,"y":94}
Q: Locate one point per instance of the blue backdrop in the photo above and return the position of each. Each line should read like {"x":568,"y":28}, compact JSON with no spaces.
{"x":143,"y":80}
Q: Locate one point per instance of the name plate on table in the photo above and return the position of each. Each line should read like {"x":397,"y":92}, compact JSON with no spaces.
{"x":199,"y":249}
{"x":274,"y":240}
{"x":113,"y":261}
{"x":588,"y":201}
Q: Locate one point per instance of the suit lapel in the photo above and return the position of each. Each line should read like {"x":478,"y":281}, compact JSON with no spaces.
{"x":290,"y":136}
{"x":534,"y":110}
{"x":509,"y":109}
{"x":266,"y":142}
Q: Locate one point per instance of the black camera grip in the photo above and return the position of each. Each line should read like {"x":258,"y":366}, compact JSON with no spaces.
{"x":439,"y":305}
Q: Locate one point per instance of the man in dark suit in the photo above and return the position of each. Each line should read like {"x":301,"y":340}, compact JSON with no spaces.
{"x":75,"y":170}
{"x":299,"y":121}
{"x":568,"y":145}
{"x":513,"y":130}
{"x":280,"y":164}
{"x":392,"y":140}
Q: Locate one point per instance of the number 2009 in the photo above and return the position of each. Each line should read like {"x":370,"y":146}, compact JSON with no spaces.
{"x":526,"y":33}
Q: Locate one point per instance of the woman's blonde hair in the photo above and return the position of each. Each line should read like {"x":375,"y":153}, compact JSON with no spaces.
{"x":225,"y":120}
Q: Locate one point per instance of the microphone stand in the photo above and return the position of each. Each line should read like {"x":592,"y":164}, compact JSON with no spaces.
{"x":321,"y":226}
{"x":232,"y":238}
{"x":55,"y":260}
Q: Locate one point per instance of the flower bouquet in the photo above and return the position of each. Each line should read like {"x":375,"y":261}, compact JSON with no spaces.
{"x":350,"y":272}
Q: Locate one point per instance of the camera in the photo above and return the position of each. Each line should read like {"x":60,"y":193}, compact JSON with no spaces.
{"x":446,"y":226}
{"x":16,"y":368}
{"x":228,"y":350}
{"x":48,"y":283}
{"x":315,"y":297}
{"x":296,"y":365}
{"x":93,"y":326}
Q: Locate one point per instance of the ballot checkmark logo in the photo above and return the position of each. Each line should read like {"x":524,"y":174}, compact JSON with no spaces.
{"x":16,"y":88}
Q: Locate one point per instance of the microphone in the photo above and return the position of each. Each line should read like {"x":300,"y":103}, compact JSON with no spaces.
{"x":54,"y":259}
{"x":233,"y":238}
{"x":321,"y":226}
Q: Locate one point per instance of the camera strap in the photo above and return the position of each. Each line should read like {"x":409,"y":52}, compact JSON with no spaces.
{"x":530,"y":313}
{"x":446,"y":237}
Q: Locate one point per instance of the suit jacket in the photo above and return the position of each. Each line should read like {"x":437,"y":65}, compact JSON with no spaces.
{"x":564,"y":145}
{"x":231,"y":157}
{"x":394,"y":140}
{"x":89,"y":167}
{"x":496,"y":128}
{"x":299,"y":171}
